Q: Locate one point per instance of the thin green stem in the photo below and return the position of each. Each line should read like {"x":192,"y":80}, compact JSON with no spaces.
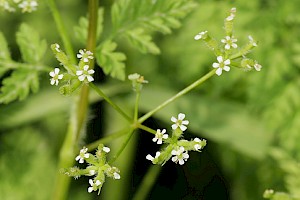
{"x":106,"y":98}
{"x":147,"y":183}
{"x":136,"y":107}
{"x":146,"y":128}
{"x":179,"y":94}
{"x":62,"y":30}
{"x":107,"y":139}
{"x":130,"y":133}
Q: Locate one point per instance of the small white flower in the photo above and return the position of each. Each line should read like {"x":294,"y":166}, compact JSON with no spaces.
{"x":28,"y":6}
{"x":106,"y":149}
{"x":57,"y":47}
{"x":85,"y":55}
{"x":85,"y":74}
{"x":159,"y":136}
{"x":257,"y":67}
{"x":180,"y":122}
{"x":200,"y":35}
{"x":229,"y":42}
{"x":55,"y":76}
{"x":92,"y":172}
{"x":180,"y":155}
{"x":251,"y":40}
{"x":116,"y":175}
{"x":149,"y":157}
{"x":199,"y":144}
{"x":230,"y":17}
{"x":222,"y":65}
{"x":94,"y":185}
{"x":82,"y":155}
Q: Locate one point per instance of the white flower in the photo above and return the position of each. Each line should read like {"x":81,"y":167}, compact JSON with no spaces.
{"x":82,"y":155}
{"x":222,"y":65}
{"x":257,"y":67}
{"x":94,"y":185}
{"x":106,"y":149}
{"x":200,"y":35}
{"x":28,"y":6}
{"x":92,"y":172}
{"x":85,"y":55}
{"x":180,"y":155}
{"x":229,"y":42}
{"x":251,"y":40}
{"x":116,"y":175}
{"x":230,"y":17}
{"x":159,"y":136}
{"x":57,"y":47}
{"x":149,"y":157}
{"x":199,"y":144}
{"x":55,"y":76}
{"x":85,"y":73}
{"x":180,"y":122}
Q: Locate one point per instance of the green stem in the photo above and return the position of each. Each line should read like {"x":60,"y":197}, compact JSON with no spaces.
{"x":106,"y":98}
{"x":136,"y":107}
{"x":62,"y":30}
{"x":107,"y":139}
{"x":78,"y":114}
{"x":179,"y":94}
{"x":145,"y":128}
{"x":147,"y":183}
{"x":130,"y":133}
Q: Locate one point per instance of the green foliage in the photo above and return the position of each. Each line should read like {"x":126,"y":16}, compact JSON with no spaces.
{"x":110,"y":61}
{"x":25,"y":76}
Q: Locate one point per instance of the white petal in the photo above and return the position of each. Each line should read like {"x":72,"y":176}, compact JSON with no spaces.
{"x":165,"y":136}
{"x":85,"y":67}
{"x":234,"y":45}
{"x":157,"y":154}
{"x":81,"y":78}
{"x":98,"y":183}
{"x":154,"y":139}
{"x":185,"y":122}
{"x":181,"y":148}
{"x":86,"y":60}
{"x":106,"y":149}
{"x":198,"y":37}
{"x":174,"y":126}
{"x":77,"y":158}
{"x":159,"y":141}
{"x":227,"y":46}
{"x":90,"y":78}
{"x":227,"y":62}
{"x":197,"y":140}
{"x":91,"y":182}
{"x":220,"y":59}
{"x":79,"y":72}
{"x":173,"y":119}
{"x":185,"y":155}
{"x":60,"y":76}
{"x":183,"y":128}
{"x":181,"y":116}
{"x":52,"y":81}
{"x":219,"y":71}
{"x":181,"y":161}
{"x":174,"y":159}
{"x":163,"y":131}
{"x":149,"y":157}
{"x":79,"y":55}
{"x":226,"y":68}
{"x":90,"y":189}
{"x":174,"y":152}
{"x":117,"y":176}
{"x":216,"y":65}
{"x":91,"y":71}
{"x":56,"y":70}
{"x":52,"y":74}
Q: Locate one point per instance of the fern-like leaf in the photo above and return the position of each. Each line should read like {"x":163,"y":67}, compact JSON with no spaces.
{"x":4,"y":55}
{"x":111,"y":61}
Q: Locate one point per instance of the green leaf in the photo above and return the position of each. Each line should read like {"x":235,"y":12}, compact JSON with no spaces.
{"x":110,"y":61}
{"x":31,"y":46}
{"x":142,"y":41}
{"x":81,"y":31}
{"x":18,"y":85}
{"x":4,"y":55}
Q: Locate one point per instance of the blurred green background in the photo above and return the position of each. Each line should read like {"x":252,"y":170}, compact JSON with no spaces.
{"x":250,"y":119}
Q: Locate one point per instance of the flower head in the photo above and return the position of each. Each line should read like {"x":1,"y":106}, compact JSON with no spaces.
{"x":113,"y":172}
{"x":251,"y":40}
{"x":179,"y":122}
{"x":229,"y":42}
{"x":222,"y":65}
{"x":85,"y":55}
{"x":159,"y":136}
{"x":257,"y":67}
{"x":82,"y":155}
{"x":94,"y":185}
{"x":200,"y":35}
{"x":55,"y":76}
{"x":180,"y":155}
{"x":85,"y":74}
{"x":28,"y":6}
{"x":200,"y":144}
{"x":149,"y":157}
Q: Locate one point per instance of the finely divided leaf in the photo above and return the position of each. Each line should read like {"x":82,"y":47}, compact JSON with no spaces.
{"x":110,"y":61}
{"x":81,"y":31}
{"x":4,"y":55}
{"x":142,"y":41}
{"x":18,"y":85}
{"x":31,"y":46}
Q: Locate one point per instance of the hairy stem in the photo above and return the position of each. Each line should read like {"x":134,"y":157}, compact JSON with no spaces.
{"x":179,"y":94}
{"x":78,"y":114}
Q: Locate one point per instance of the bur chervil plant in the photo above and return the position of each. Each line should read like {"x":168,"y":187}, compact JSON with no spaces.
{"x":74,"y":76}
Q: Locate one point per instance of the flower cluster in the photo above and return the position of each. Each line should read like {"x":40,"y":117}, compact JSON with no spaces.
{"x":97,"y":167}
{"x":76,"y":74}
{"x":137,"y":81}
{"x":227,"y":49}
{"x":24,"y":5}
{"x":176,"y":148}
